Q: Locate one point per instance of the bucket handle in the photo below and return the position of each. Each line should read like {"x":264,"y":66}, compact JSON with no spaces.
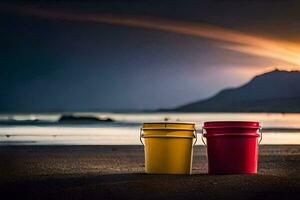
{"x":196,"y":137}
{"x":141,"y":134}
{"x":194,"y":133}
{"x":202,"y":138}
{"x":261,"y":135}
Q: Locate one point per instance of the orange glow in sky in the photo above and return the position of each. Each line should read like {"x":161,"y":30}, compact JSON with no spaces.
{"x":278,"y":51}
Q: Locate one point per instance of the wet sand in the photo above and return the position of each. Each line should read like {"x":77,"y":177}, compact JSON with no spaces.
{"x":117,"y":172}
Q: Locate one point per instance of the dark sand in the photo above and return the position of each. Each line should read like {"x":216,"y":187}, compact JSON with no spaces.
{"x":116,"y":172}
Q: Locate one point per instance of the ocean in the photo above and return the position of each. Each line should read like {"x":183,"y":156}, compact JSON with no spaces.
{"x":124,"y":129}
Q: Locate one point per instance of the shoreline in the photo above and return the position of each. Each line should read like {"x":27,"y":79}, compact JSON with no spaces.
{"x":117,"y":172}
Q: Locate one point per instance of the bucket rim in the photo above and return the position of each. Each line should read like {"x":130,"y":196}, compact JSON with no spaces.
{"x":187,"y":126}
{"x":168,"y":136}
{"x":231,"y":124}
{"x":170,"y":122}
{"x":231,"y":135}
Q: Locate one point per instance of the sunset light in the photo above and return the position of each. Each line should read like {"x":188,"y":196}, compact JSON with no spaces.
{"x":271,"y":48}
{"x":148,"y":99}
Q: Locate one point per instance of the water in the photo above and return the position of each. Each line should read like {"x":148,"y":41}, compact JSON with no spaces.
{"x":279,"y":128}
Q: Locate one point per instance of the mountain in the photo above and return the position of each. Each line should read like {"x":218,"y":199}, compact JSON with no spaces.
{"x":275,"y":91}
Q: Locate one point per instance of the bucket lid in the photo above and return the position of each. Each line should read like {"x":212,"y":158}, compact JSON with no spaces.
{"x":169,"y":125}
{"x":231,"y":124}
{"x":169,"y":129}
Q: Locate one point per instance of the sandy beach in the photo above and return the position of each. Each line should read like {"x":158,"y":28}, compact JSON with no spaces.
{"x":117,"y":172}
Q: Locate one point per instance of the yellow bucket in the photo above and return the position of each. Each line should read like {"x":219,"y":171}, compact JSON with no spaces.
{"x":168,"y":147}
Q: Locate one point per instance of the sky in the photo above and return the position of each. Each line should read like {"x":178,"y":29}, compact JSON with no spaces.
{"x":135,"y":55}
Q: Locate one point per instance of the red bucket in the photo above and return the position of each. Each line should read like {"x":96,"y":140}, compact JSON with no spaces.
{"x":232,"y":147}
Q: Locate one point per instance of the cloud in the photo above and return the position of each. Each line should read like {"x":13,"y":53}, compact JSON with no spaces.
{"x":274,"y":49}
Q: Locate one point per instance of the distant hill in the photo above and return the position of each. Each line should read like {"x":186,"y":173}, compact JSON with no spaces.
{"x":275,"y":91}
